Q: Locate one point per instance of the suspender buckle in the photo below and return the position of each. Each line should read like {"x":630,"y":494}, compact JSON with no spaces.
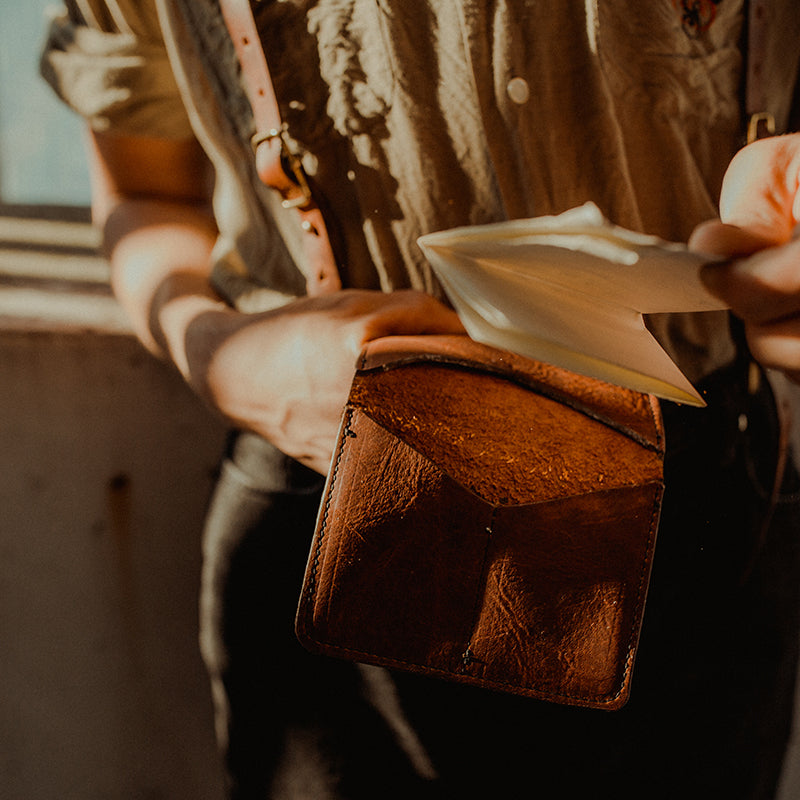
{"x":759,"y":126}
{"x":291,"y":164}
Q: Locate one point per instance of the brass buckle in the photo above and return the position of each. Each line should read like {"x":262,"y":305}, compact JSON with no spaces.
{"x":754,"y":125}
{"x":289,"y":158}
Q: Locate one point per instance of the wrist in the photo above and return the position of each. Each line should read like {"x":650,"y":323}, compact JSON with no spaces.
{"x":190,"y":325}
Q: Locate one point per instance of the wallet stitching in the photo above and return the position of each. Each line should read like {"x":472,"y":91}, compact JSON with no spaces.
{"x":658,"y":425}
{"x":314,"y":569}
{"x":643,"y":585}
{"x":526,"y":691}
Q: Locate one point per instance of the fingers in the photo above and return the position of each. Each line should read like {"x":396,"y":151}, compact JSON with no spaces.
{"x":409,"y":313}
{"x":760,"y":189}
{"x":764,"y":291}
{"x":718,"y":238}
{"x":777,"y":345}
{"x":762,"y":288}
{"x":759,"y":212}
{"x":759,"y":203}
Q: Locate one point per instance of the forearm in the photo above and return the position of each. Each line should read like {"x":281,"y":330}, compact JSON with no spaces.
{"x":160,"y":256}
{"x":285,"y":373}
{"x":152,"y":199}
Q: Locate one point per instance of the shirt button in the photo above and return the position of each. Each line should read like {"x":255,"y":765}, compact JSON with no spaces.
{"x":518,"y":91}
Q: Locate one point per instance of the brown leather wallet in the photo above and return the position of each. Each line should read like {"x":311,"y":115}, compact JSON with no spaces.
{"x":487,"y":519}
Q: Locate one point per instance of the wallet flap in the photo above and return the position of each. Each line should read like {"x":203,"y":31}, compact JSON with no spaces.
{"x":502,"y":439}
{"x":631,"y":412}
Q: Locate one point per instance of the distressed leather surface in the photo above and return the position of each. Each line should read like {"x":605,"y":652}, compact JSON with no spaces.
{"x":487,"y":519}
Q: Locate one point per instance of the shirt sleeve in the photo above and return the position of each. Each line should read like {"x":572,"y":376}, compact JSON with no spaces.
{"x":107,"y":61}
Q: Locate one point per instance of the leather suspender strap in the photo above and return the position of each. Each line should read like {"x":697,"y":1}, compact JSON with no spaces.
{"x":277,"y":163}
{"x":760,"y":120}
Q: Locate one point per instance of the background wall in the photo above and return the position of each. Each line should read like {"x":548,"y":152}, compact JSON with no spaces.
{"x":105,"y":468}
{"x":106,"y":462}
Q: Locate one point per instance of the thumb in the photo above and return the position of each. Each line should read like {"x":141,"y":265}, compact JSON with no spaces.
{"x":730,"y":241}
{"x":760,"y":190}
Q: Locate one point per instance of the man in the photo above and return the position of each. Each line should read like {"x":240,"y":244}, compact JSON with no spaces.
{"x":418,"y":116}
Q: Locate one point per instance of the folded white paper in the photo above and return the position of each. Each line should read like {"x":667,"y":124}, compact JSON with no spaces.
{"x":571,"y":290}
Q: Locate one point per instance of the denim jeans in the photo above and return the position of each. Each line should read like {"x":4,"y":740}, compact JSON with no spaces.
{"x":711,"y":703}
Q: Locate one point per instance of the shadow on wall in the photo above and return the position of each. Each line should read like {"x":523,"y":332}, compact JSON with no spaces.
{"x":106,"y":464}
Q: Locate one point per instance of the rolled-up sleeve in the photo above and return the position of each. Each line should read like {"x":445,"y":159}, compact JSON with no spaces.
{"x":112,"y":68}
